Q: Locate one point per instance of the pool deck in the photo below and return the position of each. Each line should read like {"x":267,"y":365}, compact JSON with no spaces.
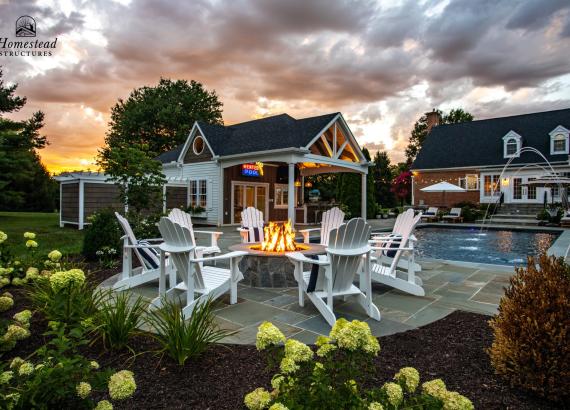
{"x":449,"y":286}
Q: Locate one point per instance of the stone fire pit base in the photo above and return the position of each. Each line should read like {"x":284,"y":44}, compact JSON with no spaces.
{"x":269,"y":270}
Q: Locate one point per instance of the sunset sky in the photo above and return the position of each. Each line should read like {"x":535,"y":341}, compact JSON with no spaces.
{"x":381,"y":63}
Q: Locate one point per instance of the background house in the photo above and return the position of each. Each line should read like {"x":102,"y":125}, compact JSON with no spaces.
{"x":493,"y":156}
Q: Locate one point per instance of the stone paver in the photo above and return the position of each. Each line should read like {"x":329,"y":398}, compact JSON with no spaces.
{"x":449,"y":286}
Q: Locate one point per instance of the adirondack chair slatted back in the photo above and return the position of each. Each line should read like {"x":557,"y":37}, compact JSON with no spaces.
{"x":405,"y":235}
{"x":146,"y":257}
{"x":184,"y":219}
{"x":403,"y":220}
{"x":252,"y":218}
{"x":352,"y":235}
{"x":333,"y":218}
{"x":176,"y":235}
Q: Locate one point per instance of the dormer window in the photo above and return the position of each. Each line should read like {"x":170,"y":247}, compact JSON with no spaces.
{"x":512,"y":143}
{"x":559,"y":140}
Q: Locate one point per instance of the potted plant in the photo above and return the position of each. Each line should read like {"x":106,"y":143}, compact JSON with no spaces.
{"x":196,"y":210}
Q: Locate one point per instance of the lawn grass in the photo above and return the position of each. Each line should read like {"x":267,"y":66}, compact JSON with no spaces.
{"x":49,"y":235}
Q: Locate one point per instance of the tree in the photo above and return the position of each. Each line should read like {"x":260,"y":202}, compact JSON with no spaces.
{"x":161,"y":117}
{"x":138,"y":176}
{"x":25,"y":184}
{"x":382,"y":174}
{"x":420,"y":131}
{"x":402,"y":186}
{"x":349,"y":191}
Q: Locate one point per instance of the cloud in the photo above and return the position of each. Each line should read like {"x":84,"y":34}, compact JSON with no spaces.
{"x":383,"y":64}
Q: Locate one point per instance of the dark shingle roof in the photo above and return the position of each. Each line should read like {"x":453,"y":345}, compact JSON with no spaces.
{"x":277,"y":132}
{"x":480,"y":143}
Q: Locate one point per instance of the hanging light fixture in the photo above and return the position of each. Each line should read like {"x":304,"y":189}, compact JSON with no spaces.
{"x":297,"y":183}
{"x":308,"y":184}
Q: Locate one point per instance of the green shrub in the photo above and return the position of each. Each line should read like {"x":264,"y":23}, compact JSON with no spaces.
{"x":532,"y":329}
{"x":470,"y":211}
{"x":119,"y":316}
{"x":64,"y":296}
{"x":185,"y":339}
{"x":543,"y":215}
{"x":103,"y":231}
{"x":60,"y":376}
{"x":14,"y":330}
{"x":334,"y":378}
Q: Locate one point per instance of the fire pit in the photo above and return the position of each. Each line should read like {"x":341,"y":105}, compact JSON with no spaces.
{"x":266,"y":265}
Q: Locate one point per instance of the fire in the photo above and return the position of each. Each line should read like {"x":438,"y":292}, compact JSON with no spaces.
{"x":278,"y":238}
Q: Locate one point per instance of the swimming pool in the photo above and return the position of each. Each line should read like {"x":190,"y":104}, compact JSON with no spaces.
{"x":494,"y":246}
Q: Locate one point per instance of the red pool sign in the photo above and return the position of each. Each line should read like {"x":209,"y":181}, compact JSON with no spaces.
{"x":252,"y":170}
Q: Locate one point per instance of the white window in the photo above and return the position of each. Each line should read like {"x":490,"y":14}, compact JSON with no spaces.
{"x":281,"y":195}
{"x":199,"y":193}
{"x":512,"y":143}
{"x":491,"y":185}
{"x":559,"y":140}
{"x":470,"y":182}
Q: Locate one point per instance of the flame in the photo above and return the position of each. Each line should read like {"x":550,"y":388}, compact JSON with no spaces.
{"x":278,"y":238}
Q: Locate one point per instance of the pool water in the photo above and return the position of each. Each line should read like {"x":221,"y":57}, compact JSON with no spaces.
{"x":498,"y":247}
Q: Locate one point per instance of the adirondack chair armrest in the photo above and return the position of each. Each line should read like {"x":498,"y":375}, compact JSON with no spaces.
{"x":231,"y":255}
{"x":385,"y":240}
{"x":299,"y":257}
{"x":140,"y":246}
{"x":307,"y":233}
{"x":378,"y":248}
{"x":214,"y":236}
{"x":350,"y":251}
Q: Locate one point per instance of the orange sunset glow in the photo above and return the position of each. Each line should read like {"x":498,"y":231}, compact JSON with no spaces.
{"x":382,"y":64}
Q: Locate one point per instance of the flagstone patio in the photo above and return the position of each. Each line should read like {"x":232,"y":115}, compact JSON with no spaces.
{"x":449,"y":286}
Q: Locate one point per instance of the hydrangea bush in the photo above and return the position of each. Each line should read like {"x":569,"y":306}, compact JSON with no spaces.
{"x":62,"y":375}
{"x":16,"y":330}
{"x":18,"y":272}
{"x":331,"y":377}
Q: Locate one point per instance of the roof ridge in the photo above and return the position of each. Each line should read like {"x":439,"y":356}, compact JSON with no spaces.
{"x":505,"y":117}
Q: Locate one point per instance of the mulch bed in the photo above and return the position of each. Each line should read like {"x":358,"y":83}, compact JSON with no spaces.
{"x":452,"y":349}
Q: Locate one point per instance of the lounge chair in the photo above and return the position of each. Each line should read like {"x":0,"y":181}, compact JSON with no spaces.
{"x":405,"y":224}
{"x":333,"y":218}
{"x":430,"y":214}
{"x":347,"y":245}
{"x":191,"y":274}
{"x":184,"y":219}
{"x":454,"y":215}
{"x":146,"y":251}
{"x":390,"y":274}
{"x":252,"y":222}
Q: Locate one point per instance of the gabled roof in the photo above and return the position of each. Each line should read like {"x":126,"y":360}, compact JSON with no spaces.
{"x":480,"y":143}
{"x":270,"y":133}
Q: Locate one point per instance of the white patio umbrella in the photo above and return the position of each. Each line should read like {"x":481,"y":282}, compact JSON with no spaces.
{"x":443,"y":187}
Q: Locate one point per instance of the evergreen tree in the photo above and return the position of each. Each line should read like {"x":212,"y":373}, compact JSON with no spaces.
{"x":25,"y":184}
{"x":383,"y":177}
{"x":349,"y":191}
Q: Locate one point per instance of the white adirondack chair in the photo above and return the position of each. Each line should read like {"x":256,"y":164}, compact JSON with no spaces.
{"x":183,"y":218}
{"x":145,"y":252}
{"x":387,"y":270}
{"x":333,"y":218}
{"x":454,"y":215}
{"x":347,"y":245}
{"x":251,"y":219}
{"x":191,"y":276}
{"x":405,"y":222}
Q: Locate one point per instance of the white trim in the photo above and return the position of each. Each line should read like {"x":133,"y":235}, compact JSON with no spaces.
{"x":81,"y":201}
{"x":560,"y":130}
{"x":489,"y":167}
{"x":195,"y":127}
{"x":363,"y":195}
{"x":246,"y":183}
{"x":512,"y":135}
{"x":194,"y":144}
{"x":60,"y":204}
{"x":323,"y":130}
{"x":291,"y":205}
